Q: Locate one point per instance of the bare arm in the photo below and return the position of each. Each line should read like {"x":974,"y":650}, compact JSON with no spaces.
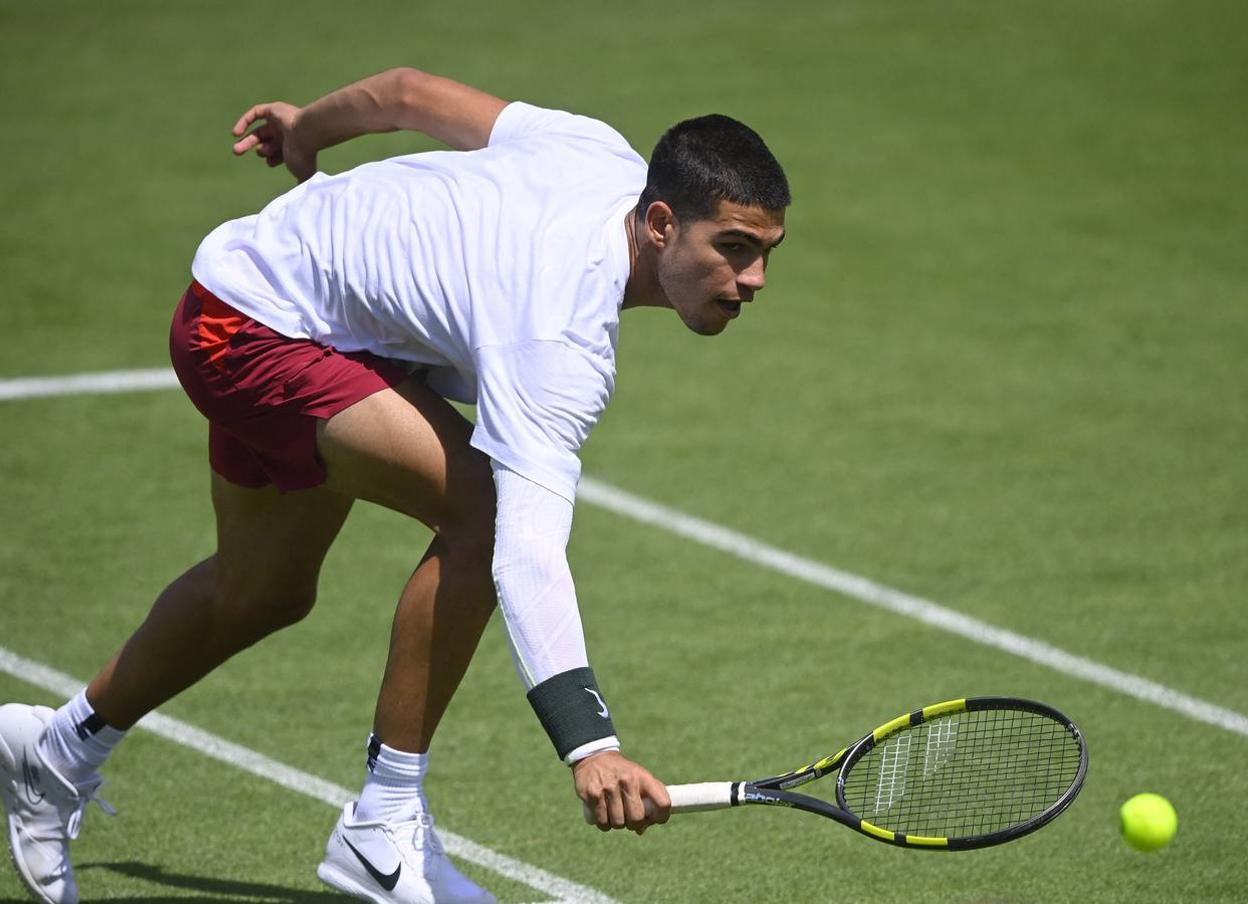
{"x":405,"y":98}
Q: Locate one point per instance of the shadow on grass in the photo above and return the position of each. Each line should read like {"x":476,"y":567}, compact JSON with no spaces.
{"x":200,"y":888}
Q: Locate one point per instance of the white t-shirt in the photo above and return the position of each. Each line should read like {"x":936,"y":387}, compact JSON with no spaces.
{"x":501,"y":270}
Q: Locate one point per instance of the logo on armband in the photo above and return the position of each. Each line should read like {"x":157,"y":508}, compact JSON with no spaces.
{"x":603,"y":712}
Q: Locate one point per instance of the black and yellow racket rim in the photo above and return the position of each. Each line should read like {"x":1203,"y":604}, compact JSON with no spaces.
{"x":963,"y":774}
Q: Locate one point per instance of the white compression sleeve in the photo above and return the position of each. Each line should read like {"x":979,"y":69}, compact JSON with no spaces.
{"x":533,"y":580}
{"x":534,"y":584}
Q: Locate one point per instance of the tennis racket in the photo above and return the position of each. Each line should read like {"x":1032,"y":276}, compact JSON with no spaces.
{"x":954,"y":776}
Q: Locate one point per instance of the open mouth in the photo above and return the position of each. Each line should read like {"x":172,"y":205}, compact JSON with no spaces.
{"x":730,"y":308}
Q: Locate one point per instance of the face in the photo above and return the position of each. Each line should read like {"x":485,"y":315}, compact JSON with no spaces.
{"x":709,"y":268}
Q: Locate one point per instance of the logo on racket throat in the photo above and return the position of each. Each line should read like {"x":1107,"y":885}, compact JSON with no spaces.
{"x":602,"y":712}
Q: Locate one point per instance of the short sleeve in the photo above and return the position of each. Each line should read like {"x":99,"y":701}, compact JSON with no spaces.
{"x":520,"y":120}
{"x":536,"y":403}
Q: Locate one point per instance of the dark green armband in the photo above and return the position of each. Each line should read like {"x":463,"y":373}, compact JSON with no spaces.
{"x":571,"y":709}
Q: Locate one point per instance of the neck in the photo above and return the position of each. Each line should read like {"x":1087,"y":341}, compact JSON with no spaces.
{"x":642,"y":289}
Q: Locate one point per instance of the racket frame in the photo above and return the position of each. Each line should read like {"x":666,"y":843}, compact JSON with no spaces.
{"x":776,"y":791}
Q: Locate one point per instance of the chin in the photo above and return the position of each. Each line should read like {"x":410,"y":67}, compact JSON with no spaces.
{"x":710,"y":329}
{"x":705,"y":326}
{"x":704,"y":329}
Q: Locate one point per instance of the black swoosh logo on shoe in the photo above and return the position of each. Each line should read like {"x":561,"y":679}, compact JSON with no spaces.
{"x":388,"y":882}
{"x":30,"y":777}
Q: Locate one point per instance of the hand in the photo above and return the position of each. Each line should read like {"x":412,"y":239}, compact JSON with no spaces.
{"x":620,"y":793}
{"x":276,"y":139}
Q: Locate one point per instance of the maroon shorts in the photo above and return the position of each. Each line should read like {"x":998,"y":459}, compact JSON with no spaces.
{"x":263,"y":392}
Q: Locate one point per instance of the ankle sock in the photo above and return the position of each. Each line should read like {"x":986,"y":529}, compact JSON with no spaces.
{"x":394,"y":785}
{"x":77,"y":741}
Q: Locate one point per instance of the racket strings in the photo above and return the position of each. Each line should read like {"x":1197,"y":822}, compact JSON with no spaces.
{"x":964,"y":775}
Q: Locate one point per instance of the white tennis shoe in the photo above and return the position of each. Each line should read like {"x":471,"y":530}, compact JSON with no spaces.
{"x":44,"y":810}
{"x":395,"y":863}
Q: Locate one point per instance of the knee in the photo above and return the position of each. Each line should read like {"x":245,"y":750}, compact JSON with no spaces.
{"x":290,"y":607}
{"x":268,"y":609}
{"x":467,"y":535}
{"x":469,"y":545}
{"x":467,"y":551}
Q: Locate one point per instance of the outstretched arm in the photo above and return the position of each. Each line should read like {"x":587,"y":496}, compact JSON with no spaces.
{"x":404,"y":98}
{"x":539,"y":606}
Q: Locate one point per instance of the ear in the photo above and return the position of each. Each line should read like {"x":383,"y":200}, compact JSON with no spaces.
{"x":660,"y":224}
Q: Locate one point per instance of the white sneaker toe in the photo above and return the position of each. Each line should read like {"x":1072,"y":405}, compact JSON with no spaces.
{"x":395,"y":863}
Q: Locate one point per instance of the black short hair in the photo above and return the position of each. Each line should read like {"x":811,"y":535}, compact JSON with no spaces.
{"x":702,"y":161}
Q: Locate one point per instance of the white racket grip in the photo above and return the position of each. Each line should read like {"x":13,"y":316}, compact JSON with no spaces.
{"x":701,"y":796}
{"x":689,"y":798}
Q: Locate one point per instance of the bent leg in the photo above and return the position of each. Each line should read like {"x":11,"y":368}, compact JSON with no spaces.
{"x":263,"y":576}
{"x":407,"y":449}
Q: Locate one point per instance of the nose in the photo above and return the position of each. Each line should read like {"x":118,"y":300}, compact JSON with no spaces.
{"x":753,"y":277}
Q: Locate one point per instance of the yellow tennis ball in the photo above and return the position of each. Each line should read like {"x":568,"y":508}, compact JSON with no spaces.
{"x":1148,"y":822}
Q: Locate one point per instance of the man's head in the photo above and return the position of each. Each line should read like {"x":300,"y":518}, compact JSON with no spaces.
{"x":713,"y":209}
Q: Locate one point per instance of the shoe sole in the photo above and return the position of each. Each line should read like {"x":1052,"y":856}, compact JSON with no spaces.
{"x":340,"y":881}
{"x":19,"y":865}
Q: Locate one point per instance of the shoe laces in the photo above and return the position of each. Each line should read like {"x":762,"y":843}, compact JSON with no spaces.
{"x":86,"y":794}
{"x":424,"y":838}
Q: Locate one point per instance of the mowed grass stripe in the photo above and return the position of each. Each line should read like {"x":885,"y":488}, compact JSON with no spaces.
{"x":756,"y":551}
{"x":210,"y":745}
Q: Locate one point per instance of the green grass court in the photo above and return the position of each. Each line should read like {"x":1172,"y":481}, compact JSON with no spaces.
{"x":1001,"y":364}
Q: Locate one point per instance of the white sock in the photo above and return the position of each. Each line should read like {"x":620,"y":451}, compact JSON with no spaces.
{"x":77,"y":741}
{"x":394,"y":786}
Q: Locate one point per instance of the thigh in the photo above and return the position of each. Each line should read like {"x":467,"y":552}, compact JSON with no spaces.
{"x":270,"y":544}
{"x":408,"y":449}
{"x":263,"y":393}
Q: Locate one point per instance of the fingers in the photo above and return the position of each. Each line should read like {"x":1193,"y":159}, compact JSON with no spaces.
{"x":272,"y":129}
{"x":246,"y":144}
{"x":600,"y":812}
{"x":265,"y":140}
{"x":633,"y":809}
{"x":262,"y":135}
{"x":623,"y":806}
{"x":656,"y":803}
{"x":659,"y":802}
{"x":259,"y":111}
{"x":623,"y":796}
{"x":613,"y":809}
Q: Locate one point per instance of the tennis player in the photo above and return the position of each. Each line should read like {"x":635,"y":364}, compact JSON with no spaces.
{"x":322,"y":338}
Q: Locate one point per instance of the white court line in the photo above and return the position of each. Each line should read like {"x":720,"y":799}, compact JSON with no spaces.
{"x":873,"y":594}
{"x":862,"y":589}
{"x":88,"y":384}
{"x":258,"y":764}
